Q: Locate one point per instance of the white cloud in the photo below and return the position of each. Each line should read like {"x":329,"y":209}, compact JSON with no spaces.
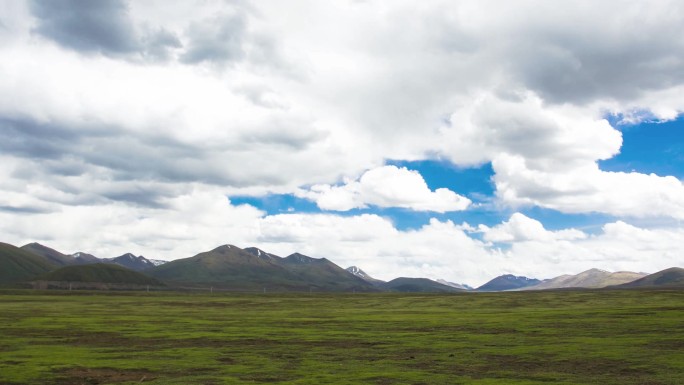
{"x":202,"y":219}
{"x":196,"y":220}
{"x":586,"y":188}
{"x":92,"y":142}
{"x":446,"y":250}
{"x":520,"y":228}
{"x":387,"y":186}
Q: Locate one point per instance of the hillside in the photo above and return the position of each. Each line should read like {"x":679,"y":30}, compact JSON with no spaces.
{"x":52,"y":255}
{"x":234,"y":268}
{"x":322,"y":274}
{"x":508,"y":282}
{"x":418,"y":285}
{"x":100,"y":273}
{"x":672,"y":277}
{"x":227,"y":266}
{"x":592,"y":278}
{"x":17,"y":265}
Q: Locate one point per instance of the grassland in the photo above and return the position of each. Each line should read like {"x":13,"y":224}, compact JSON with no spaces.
{"x":583,"y":337}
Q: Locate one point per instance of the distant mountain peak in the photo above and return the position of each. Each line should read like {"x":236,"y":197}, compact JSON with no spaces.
{"x":301,"y":258}
{"x":224,"y":248}
{"x":129,"y":260}
{"x":405,"y":284}
{"x":456,"y":285}
{"x":251,"y":268}
{"x":81,"y":258}
{"x":257,"y":252}
{"x":358,"y":272}
{"x":508,"y":282}
{"x":52,"y":255}
{"x":592,"y":278}
{"x":355,"y":270}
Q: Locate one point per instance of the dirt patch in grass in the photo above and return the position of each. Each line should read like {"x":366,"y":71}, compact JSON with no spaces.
{"x":530,"y":368}
{"x":676,"y":345}
{"x":94,"y":376}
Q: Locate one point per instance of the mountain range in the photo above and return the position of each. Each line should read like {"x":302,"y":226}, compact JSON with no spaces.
{"x":590,"y":279}
{"x":508,"y":282}
{"x":132,"y":262}
{"x":229,"y":267}
{"x":668,"y":278}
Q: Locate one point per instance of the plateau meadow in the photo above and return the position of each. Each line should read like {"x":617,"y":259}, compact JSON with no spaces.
{"x":561,"y":337}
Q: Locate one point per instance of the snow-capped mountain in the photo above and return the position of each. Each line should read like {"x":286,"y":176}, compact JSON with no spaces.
{"x":81,"y":258}
{"x":363,"y":275}
{"x":456,"y":285}
{"x":132,"y":262}
{"x":262,"y":254}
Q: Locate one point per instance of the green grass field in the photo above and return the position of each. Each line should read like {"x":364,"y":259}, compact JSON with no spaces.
{"x":583,"y":337}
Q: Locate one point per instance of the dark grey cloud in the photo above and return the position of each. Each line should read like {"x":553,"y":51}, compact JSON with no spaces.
{"x":160,"y":44}
{"x":219,"y":40}
{"x":287,"y":136}
{"x":25,"y":137}
{"x":94,"y":164}
{"x":102,"y":26}
{"x":575,"y":71}
{"x":90,"y":166}
{"x":141,"y":196}
{"x":24,"y":210}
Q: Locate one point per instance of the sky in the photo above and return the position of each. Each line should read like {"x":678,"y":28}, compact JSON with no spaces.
{"x":440,"y":139}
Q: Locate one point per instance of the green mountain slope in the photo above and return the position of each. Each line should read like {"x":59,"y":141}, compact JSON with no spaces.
{"x":672,"y":277}
{"x":233,"y":268}
{"x":323,"y":274}
{"x":51,"y":255}
{"x":17,"y":265}
{"x":100,"y":273}
{"x":418,"y":285}
{"x":226,"y":266}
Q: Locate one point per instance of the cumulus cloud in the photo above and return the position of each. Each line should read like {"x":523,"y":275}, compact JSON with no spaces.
{"x":387,"y":186}
{"x":588,"y":189}
{"x":192,"y":221}
{"x":116,"y":109}
{"x":522,"y":228}
{"x":219,"y":39}
{"x":201,"y":218}
{"x":103,"y":27}
{"x":442,"y":249}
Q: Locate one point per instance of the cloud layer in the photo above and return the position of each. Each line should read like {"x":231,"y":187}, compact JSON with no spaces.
{"x":116,"y":110}
{"x":387,"y":186}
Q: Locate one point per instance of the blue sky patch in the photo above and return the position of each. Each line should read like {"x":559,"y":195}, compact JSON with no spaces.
{"x":650,"y":147}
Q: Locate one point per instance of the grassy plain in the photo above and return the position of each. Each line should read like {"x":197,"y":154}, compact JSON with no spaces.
{"x":570,"y":337}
